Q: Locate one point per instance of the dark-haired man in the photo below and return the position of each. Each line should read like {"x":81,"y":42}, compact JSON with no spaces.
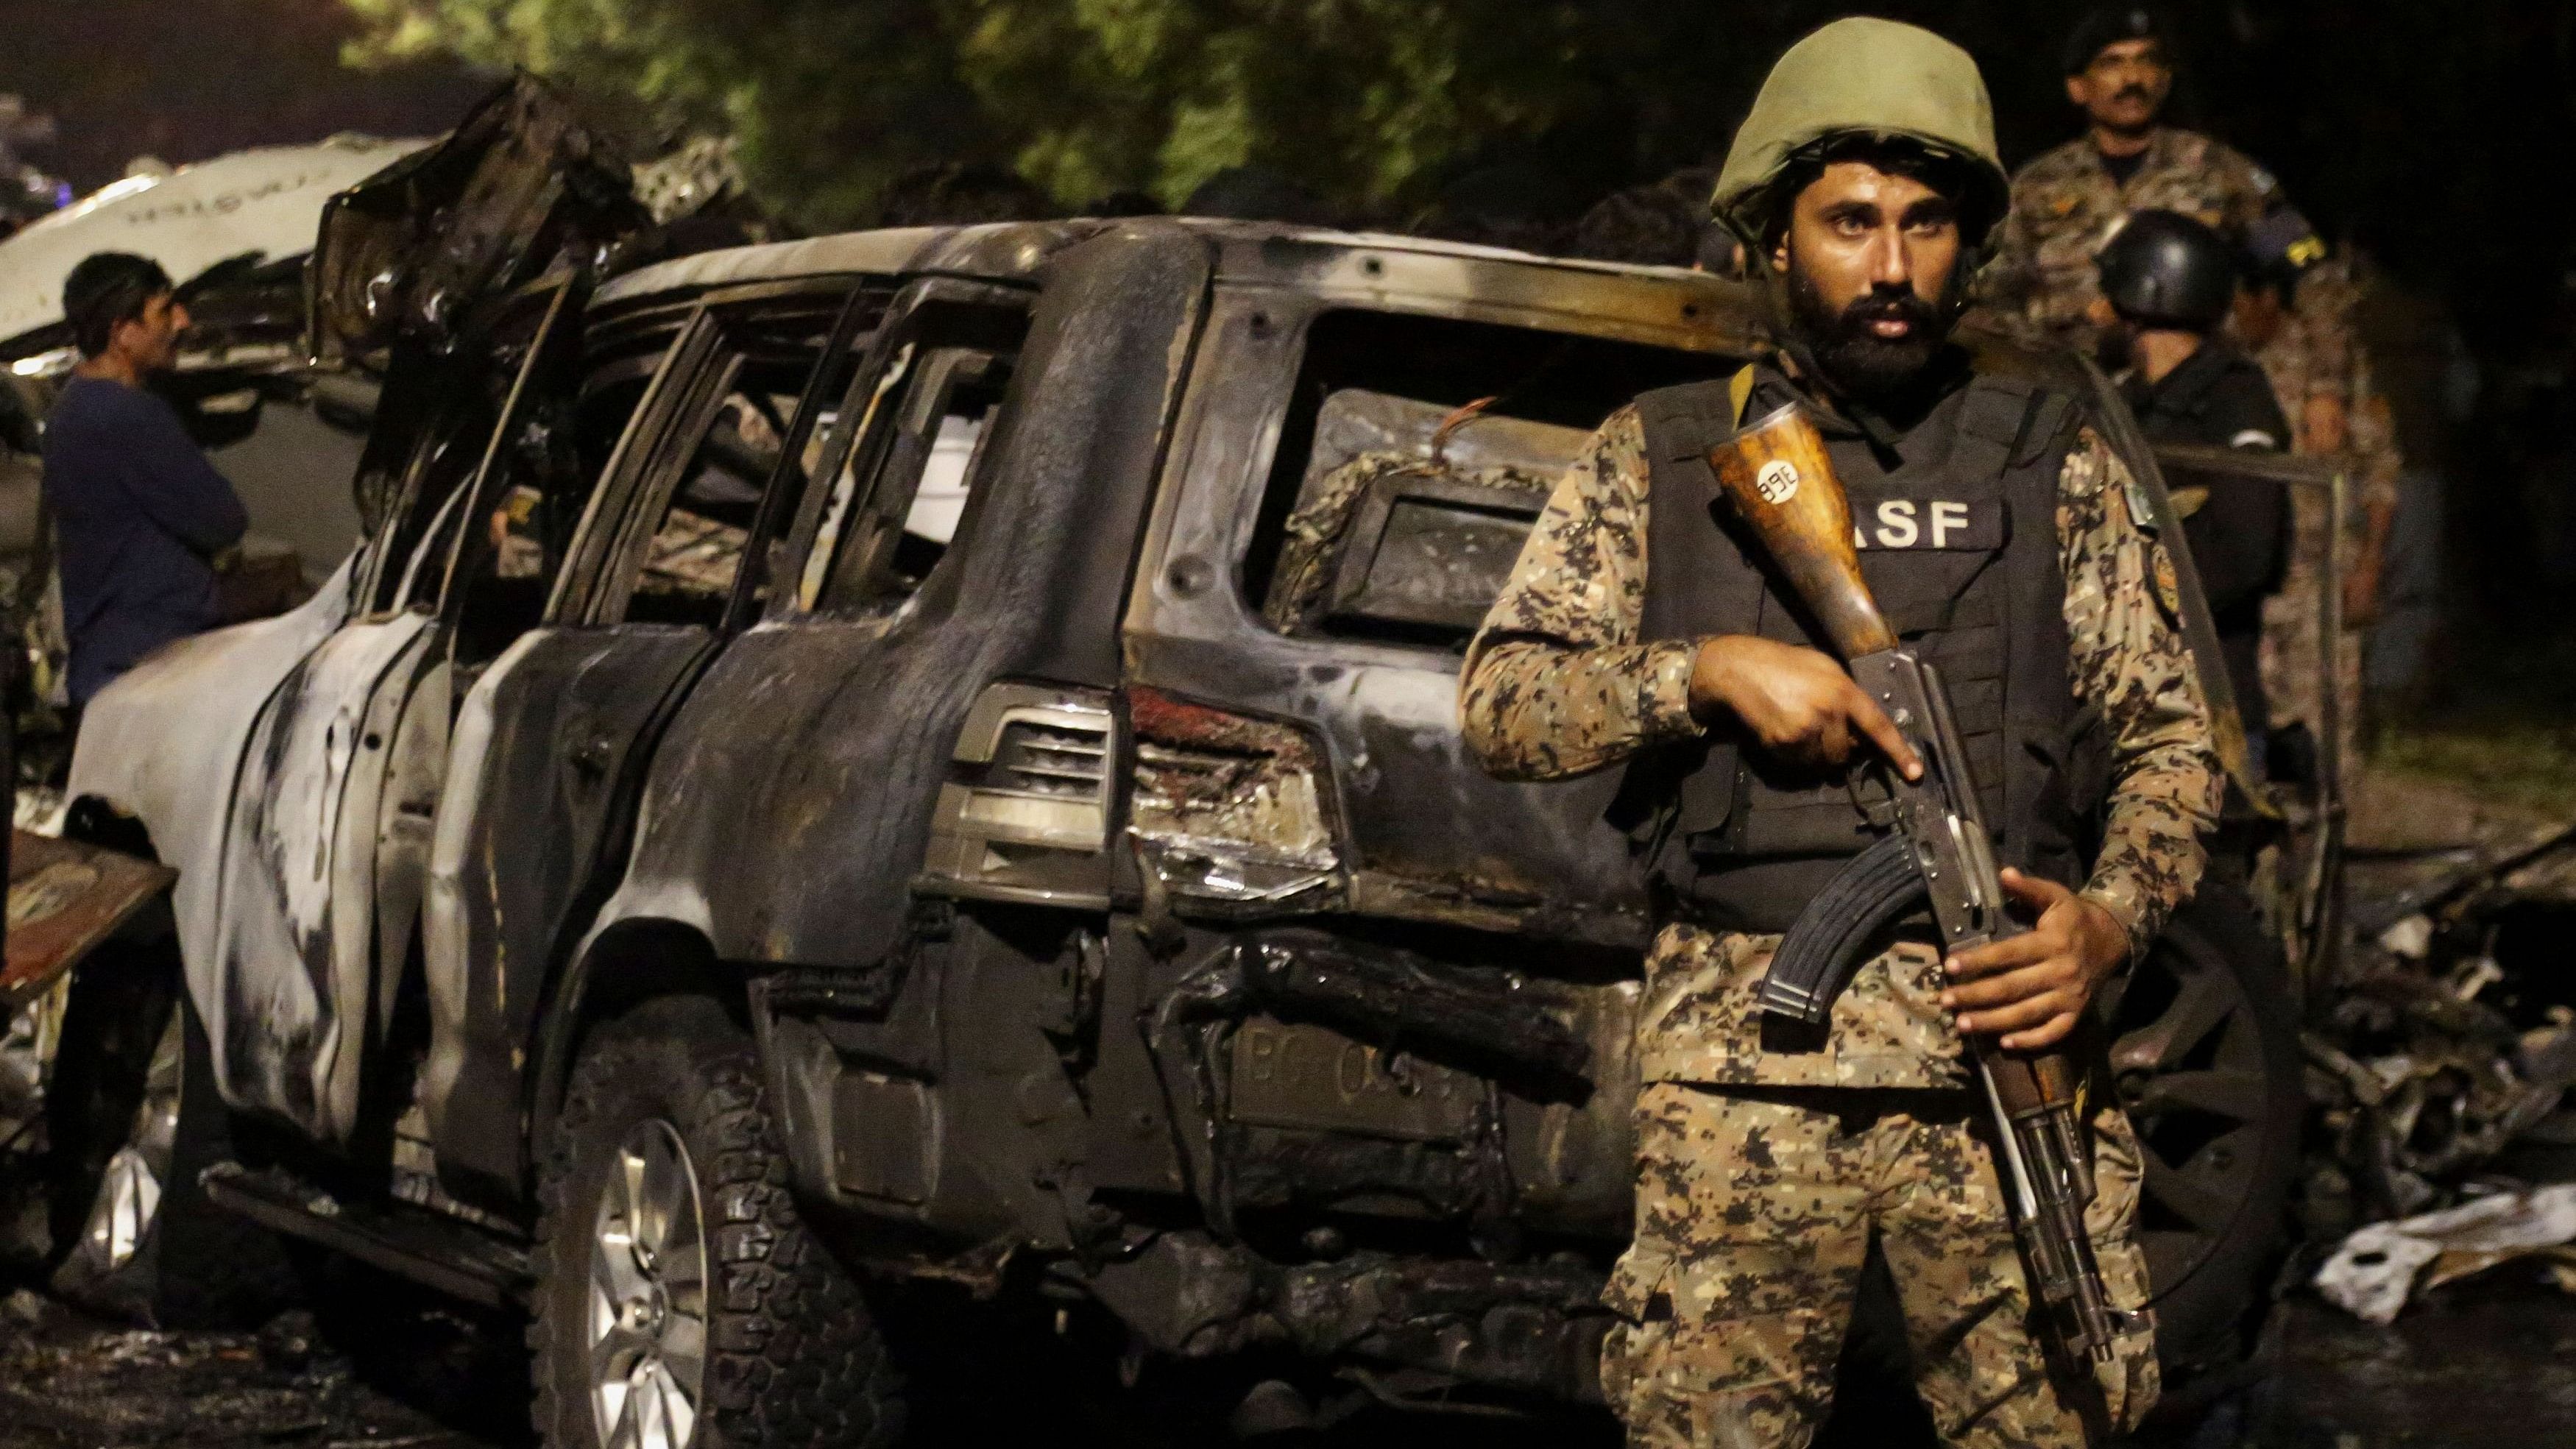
{"x":139,"y":512}
{"x":1998,"y":536}
{"x":2066,"y":202}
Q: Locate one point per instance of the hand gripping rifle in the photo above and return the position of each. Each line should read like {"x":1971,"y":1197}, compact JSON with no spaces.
{"x":1781,"y":483}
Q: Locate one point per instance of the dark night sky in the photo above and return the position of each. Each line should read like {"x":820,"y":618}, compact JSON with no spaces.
{"x":188,"y":79}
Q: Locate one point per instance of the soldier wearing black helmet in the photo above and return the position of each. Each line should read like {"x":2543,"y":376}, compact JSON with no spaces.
{"x":1996,"y":529}
{"x":2168,"y":285}
{"x":2066,"y":203}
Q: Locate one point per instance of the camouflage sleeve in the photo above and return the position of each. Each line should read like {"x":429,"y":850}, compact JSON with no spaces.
{"x":2372,"y":439}
{"x":2324,"y":305}
{"x":1556,"y":682}
{"x":2122,"y":612}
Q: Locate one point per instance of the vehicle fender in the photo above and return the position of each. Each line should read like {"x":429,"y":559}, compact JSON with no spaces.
{"x":164,"y":741}
{"x":498,"y":1097}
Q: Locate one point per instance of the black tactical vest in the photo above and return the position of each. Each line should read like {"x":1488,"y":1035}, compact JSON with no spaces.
{"x":1959,"y":546}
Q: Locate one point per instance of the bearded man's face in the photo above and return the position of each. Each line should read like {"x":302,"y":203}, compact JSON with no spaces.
{"x":1871,"y":258}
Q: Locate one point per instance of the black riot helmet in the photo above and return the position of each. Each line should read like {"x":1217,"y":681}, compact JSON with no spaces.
{"x":2164,"y":269}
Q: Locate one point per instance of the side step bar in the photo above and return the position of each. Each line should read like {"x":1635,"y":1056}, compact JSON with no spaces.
{"x":449,"y":1256}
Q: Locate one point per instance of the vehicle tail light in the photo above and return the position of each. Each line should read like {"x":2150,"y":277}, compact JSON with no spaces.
{"x":1230,"y":811}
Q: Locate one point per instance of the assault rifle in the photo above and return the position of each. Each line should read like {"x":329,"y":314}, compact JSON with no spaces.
{"x":1776,"y":473}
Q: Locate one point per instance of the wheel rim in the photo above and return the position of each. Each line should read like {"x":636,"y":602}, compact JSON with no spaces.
{"x":648,"y":1294}
{"x":2189,"y":1064}
{"x":129,"y":1192}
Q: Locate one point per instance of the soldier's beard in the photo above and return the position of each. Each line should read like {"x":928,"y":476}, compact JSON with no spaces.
{"x":1856,"y":361}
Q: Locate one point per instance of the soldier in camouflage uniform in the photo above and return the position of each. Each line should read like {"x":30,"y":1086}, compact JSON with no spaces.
{"x":2068,"y":201}
{"x":1865,"y":179}
{"x":2295,"y":312}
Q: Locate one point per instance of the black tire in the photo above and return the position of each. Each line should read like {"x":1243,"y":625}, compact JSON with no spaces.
{"x":2205,"y":1057}
{"x":792,"y":1355}
{"x":132,"y":1103}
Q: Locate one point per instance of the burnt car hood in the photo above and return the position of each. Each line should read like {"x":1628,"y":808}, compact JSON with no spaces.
{"x":424,"y":250}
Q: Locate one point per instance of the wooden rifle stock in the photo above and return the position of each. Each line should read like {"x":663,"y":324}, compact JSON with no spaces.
{"x":2027,"y":1082}
{"x":1776,"y":473}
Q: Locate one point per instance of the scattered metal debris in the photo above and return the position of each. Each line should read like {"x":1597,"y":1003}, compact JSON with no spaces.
{"x":67,"y":1380}
{"x":2441,"y":1064}
{"x":2375,"y":1271}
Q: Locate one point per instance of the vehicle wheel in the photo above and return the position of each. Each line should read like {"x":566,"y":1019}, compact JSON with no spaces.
{"x":680,"y":1300}
{"x":2205,"y":1057}
{"x":132,"y":1119}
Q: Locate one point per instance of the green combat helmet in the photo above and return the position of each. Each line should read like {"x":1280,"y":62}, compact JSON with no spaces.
{"x":1863,"y":77}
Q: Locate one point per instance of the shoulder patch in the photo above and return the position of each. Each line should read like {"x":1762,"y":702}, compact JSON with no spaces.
{"x":2168,"y":584}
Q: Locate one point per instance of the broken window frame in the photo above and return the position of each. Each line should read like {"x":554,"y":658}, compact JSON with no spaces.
{"x":671,"y":424}
{"x":415,"y":529}
{"x":863,"y":461}
{"x":506,"y":462}
{"x":1533,"y":392}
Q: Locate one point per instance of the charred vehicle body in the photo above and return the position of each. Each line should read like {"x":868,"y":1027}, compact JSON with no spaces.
{"x":931,"y":755}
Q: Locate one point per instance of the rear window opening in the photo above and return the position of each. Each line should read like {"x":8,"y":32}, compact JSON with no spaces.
{"x":1395,"y":508}
{"x":904,"y":489}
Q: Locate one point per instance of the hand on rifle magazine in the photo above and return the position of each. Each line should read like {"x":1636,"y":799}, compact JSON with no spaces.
{"x":2036,"y":985}
{"x":1795,"y":703}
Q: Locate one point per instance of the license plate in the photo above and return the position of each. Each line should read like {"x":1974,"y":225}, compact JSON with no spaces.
{"x":1318,"y":1080}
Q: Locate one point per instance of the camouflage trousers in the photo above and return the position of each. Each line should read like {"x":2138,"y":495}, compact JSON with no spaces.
{"x":1755,"y":1209}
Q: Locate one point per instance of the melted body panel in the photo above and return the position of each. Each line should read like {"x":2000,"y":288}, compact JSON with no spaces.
{"x":1433,"y":837}
{"x":163,"y":743}
{"x":293,"y":938}
{"x":541,"y":760}
{"x":801,"y":835}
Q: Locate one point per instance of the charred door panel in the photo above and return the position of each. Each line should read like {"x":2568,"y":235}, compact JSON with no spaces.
{"x":552,"y":741}
{"x":294,"y":929}
{"x":541,"y":746}
{"x":793,"y":799}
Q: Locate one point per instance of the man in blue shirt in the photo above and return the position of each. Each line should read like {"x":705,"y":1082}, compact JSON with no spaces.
{"x":139,"y":512}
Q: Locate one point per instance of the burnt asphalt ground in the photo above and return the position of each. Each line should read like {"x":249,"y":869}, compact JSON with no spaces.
{"x":2488,"y":1363}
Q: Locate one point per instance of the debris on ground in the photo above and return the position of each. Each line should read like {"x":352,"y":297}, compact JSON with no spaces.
{"x":2375,"y":1271}
{"x":2440,"y":1061}
{"x":69,"y":1380}
{"x":2486,"y":1362}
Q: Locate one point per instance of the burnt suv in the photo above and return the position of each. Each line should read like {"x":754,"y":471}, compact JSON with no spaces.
{"x":931,"y":755}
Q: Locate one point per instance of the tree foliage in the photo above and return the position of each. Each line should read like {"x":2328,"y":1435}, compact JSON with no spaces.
{"x":1361,"y":100}
{"x":830,"y":100}
{"x":2384,"y":118}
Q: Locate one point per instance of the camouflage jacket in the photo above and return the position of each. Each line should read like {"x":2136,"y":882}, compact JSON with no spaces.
{"x":1558,"y":683}
{"x":2065,"y":204}
{"x":2312,"y":353}
{"x":2317,"y":354}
